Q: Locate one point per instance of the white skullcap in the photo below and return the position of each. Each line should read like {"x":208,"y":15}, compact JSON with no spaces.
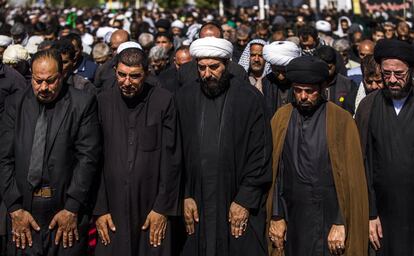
{"x":15,"y":53}
{"x":211,"y":47}
{"x":280,"y":53}
{"x":323,"y":25}
{"x":87,"y":39}
{"x":5,"y":41}
{"x":33,"y":43}
{"x":101,"y":32}
{"x":177,"y":24}
{"x":129,"y":44}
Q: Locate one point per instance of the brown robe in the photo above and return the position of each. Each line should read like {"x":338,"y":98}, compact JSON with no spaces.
{"x":348,"y":172}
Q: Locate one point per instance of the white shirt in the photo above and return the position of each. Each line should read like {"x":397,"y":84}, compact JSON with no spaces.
{"x":398,"y":105}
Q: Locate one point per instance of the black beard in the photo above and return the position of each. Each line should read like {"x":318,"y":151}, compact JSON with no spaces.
{"x":306,"y":108}
{"x":400,"y":94}
{"x":213,"y":88}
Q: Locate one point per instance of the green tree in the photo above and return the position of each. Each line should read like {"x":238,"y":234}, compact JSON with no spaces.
{"x":207,"y":4}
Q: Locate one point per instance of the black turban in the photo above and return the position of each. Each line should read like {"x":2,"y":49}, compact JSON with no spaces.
{"x":394,"y":49}
{"x":307,"y":70}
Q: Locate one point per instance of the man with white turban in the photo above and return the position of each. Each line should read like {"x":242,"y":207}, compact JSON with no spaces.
{"x":227,"y":170}
{"x":188,"y":72}
{"x":276,"y":87}
{"x":17,"y":57}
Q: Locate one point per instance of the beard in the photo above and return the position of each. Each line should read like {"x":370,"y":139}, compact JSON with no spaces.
{"x":400,"y":93}
{"x":307,"y":108}
{"x":212,"y":87}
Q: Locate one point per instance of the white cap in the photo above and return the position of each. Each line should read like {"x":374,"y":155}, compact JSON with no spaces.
{"x":129,"y":44}
{"x":323,"y":25}
{"x":177,"y":24}
{"x":5,"y":41}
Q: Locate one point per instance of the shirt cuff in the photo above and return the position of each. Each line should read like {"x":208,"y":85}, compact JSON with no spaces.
{"x":14,"y":208}
{"x":72,"y":205}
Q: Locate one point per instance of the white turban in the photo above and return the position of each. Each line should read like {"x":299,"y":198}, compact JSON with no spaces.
{"x":323,"y":25}
{"x":15,"y":53}
{"x":33,"y":43}
{"x":280,"y":53}
{"x":211,"y":47}
{"x":177,"y":24}
{"x":129,"y":44}
{"x":5,"y":41}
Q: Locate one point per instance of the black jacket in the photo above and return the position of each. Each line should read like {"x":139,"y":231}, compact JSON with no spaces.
{"x":72,"y":153}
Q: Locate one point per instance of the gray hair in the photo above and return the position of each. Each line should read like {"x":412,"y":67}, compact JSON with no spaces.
{"x":146,"y":40}
{"x":341,"y":45}
{"x":158,"y":53}
{"x":101,"y":50}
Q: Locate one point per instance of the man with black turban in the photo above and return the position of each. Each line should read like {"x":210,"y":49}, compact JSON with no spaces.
{"x":319,"y":199}
{"x":385,"y":120}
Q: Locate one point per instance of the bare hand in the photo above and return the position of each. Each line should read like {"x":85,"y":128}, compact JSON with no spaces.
{"x":157,"y":223}
{"x":238,"y":217}
{"x":336,"y":239}
{"x":190,"y":215}
{"x":375,"y":233}
{"x":66,"y":222}
{"x":277,"y":231}
{"x":102,"y":224}
{"x":21,"y":223}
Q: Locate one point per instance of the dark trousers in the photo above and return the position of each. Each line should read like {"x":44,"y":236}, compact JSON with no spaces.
{"x":43,"y":210}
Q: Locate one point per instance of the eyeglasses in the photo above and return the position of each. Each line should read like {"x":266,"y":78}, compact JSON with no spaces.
{"x":398,"y":74}
{"x":135,"y":76}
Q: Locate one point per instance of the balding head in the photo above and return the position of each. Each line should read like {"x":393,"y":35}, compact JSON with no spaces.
{"x":118,"y":37}
{"x":365,"y":48}
{"x":211,"y":29}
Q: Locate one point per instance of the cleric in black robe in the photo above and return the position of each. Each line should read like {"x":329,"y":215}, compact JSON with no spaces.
{"x":140,"y":184}
{"x":277,"y":89}
{"x":226,"y":145}
{"x":305,"y":199}
{"x":386,"y":122}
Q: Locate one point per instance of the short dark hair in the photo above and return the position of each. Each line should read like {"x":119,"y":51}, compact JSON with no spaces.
{"x":65,"y":46}
{"x":307,"y":31}
{"x":50,"y":29}
{"x":369,"y":66}
{"x":132,"y":57}
{"x":164,"y":34}
{"x":327,"y":54}
{"x":74,"y":37}
{"x":51,"y":54}
{"x":211,"y":24}
{"x":183,"y":48}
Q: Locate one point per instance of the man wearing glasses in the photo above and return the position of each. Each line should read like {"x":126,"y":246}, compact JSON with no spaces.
{"x":139,"y":188}
{"x":386,"y":123}
{"x":48,"y":160}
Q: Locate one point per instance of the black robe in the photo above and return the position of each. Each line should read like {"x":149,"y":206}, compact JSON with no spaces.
{"x":142,"y":156}
{"x":227,"y":147}
{"x":305,"y":196}
{"x":338,"y":90}
{"x":275,"y":93}
{"x":168,"y":79}
{"x":390,"y":176}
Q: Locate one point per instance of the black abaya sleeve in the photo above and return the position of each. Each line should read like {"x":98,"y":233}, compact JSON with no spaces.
{"x":167,"y":200}
{"x":257,"y":174}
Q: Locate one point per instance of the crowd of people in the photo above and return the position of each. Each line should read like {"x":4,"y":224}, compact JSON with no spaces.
{"x":186,"y":133}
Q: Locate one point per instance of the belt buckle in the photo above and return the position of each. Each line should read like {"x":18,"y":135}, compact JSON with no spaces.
{"x":44,"y":192}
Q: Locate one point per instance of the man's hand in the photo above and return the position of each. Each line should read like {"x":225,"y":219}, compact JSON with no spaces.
{"x":277,"y":231}
{"x":157,"y":223}
{"x":66,"y":222}
{"x":375,"y":233}
{"x":336,"y":239}
{"x":190,"y":215}
{"x":21,"y":223}
{"x":102,"y":224}
{"x":238,"y":217}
